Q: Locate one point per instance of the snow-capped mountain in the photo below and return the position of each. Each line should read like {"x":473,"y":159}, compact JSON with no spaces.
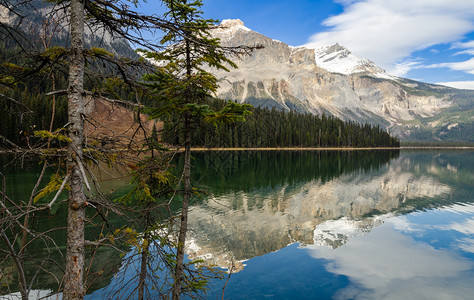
{"x":334,"y":81}
{"x":334,"y":58}
{"x":228,"y":28}
{"x":338,"y":59}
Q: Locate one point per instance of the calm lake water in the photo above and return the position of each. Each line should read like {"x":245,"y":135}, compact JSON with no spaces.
{"x":334,"y":225}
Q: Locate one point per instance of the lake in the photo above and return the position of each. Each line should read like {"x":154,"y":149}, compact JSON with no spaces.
{"x":333,"y":224}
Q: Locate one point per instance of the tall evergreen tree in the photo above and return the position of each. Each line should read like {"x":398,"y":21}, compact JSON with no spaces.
{"x":182,"y":89}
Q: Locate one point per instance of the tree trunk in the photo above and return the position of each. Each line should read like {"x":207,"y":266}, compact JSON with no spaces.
{"x":73,"y":282}
{"x":144,"y":254}
{"x":143,"y":271}
{"x":179,"y":271}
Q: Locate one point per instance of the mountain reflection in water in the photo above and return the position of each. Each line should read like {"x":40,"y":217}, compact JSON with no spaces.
{"x":290,"y":197}
{"x":388,"y":226}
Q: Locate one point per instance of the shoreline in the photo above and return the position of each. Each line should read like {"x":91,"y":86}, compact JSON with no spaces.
{"x":198,"y":149}
{"x":202,"y":149}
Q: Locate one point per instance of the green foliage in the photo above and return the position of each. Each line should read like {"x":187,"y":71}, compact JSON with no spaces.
{"x":7,"y":80}
{"x":98,"y":52}
{"x":180,"y":85}
{"x":56,"y":135}
{"x":54,"y":53}
{"x":232,"y":112}
{"x":275,"y":128}
{"x":13,"y":67}
{"x":151,"y":180}
{"x":53,"y":185}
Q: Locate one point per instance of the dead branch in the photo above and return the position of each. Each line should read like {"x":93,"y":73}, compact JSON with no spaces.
{"x":59,"y":191}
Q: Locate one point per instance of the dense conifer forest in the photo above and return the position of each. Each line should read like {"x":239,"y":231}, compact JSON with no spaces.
{"x":266,"y":127}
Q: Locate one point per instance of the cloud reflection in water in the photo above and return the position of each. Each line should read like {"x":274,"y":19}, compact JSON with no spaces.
{"x":387,"y":264}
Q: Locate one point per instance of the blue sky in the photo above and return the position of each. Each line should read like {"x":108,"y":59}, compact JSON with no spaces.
{"x":426,"y":40}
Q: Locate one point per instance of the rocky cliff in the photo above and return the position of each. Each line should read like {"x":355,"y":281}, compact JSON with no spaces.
{"x":332,"y":80}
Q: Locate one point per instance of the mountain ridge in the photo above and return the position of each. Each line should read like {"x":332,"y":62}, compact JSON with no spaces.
{"x":331,"y":80}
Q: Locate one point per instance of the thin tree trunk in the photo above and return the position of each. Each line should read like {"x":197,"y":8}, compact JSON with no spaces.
{"x":54,"y":108}
{"x":144,"y":254}
{"x":143,"y":267}
{"x":73,"y":283}
{"x":25,"y":235}
{"x":179,"y":271}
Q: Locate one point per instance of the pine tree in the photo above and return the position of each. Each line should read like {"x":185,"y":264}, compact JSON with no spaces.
{"x":182,"y":89}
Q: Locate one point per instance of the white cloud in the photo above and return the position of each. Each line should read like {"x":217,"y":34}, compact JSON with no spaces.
{"x":468,"y":52}
{"x":464,"y":85}
{"x":388,"y":31}
{"x":467,"y":227}
{"x":465,"y":66}
{"x":401,"y":223}
{"x":466,"y":245}
{"x":467,"y":46}
{"x":401,"y":68}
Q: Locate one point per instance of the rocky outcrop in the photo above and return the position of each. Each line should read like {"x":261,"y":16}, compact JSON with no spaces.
{"x":115,"y":126}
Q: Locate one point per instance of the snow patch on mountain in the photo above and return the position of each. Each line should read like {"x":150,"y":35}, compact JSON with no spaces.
{"x":338,"y":59}
{"x":329,"y":80}
{"x":228,"y":28}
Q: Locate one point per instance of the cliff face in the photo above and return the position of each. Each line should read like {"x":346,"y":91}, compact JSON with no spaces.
{"x":330,"y":80}
{"x":115,"y":126}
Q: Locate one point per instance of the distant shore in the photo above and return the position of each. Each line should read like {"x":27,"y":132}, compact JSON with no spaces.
{"x":331,"y":148}
{"x":202,"y":149}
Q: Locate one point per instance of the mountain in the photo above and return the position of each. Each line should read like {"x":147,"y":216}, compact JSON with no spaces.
{"x":337,"y":59}
{"x":36,"y":17}
{"x":332,"y":80}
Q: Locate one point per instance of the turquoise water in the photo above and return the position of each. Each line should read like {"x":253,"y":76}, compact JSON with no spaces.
{"x":335,"y":225}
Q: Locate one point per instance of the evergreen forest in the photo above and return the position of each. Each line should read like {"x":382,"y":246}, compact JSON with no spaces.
{"x":266,"y":127}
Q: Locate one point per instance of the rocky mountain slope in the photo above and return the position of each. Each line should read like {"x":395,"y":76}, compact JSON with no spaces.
{"x":332,"y":80}
{"x":38,"y":18}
